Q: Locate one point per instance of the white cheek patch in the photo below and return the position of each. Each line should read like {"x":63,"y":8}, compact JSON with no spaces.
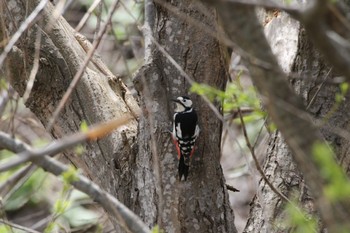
{"x":188,"y":103}
{"x":179,"y":108}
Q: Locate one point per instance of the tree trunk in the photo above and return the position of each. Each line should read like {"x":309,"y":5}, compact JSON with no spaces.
{"x":143,"y":177}
{"x":105,"y":161}
{"x":201,"y":203}
{"x":312,"y":80}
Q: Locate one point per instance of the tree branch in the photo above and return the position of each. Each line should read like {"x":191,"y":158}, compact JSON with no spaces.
{"x":19,"y":227}
{"x":231,"y":188}
{"x":314,"y":17}
{"x":242,"y":26}
{"x":18,"y":177}
{"x":80,"y":72}
{"x":24,"y":26}
{"x":65,"y":143}
{"x":125,"y":217}
{"x":252,"y":152}
{"x":269,"y":5}
{"x":331,"y":44}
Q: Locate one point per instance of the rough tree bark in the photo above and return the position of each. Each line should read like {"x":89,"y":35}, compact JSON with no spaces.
{"x":312,"y":79}
{"x":104,"y":161}
{"x":200,"y":204}
{"x":289,"y":113}
{"x":143,"y":179}
{"x":267,"y":212}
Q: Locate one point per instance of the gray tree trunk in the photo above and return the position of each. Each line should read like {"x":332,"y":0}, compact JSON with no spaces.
{"x":312,"y":79}
{"x":137,"y":163}
{"x":201,"y":203}
{"x":105,"y":161}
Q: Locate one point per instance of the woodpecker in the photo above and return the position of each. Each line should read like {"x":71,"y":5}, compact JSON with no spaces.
{"x":185,"y":132}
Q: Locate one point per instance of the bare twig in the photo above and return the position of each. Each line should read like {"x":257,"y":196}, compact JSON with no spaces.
{"x":80,"y":72}
{"x":67,"y":5}
{"x":99,"y":20}
{"x":35,"y":68}
{"x":125,"y":217}
{"x":15,"y":179}
{"x":339,"y":16}
{"x":65,"y":143}
{"x":318,"y":90}
{"x":24,"y":26}
{"x":333,"y":47}
{"x":124,"y":60}
{"x":87,"y":15}
{"x":231,"y":188}
{"x":257,"y":164}
{"x":234,"y":113}
{"x":4,"y":98}
{"x":269,"y":5}
{"x":19,"y":227}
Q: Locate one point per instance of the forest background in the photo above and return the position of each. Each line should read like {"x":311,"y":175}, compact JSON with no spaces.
{"x":86,"y":89}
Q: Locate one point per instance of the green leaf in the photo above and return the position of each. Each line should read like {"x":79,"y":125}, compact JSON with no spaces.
{"x":233,"y":97}
{"x":337,"y":185}
{"x":79,"y":150}
{"x":344,"y":87}
{"x":30,"y":192}
{"x":77,"y":195}
{"x":272,"y":126}
{"x":84,"y":126}
{"x":50,"y":227}
{"x":6,"y":154}
{"x":3,"y":84}
{"x":300,"y":220}
{"x":205,"y":90}
{"x":5,"y":229}
{"x":338,"y":98}
{"x":156,"y":229}
{"x":70,"y":175}
{"x":61,"y":206}
{"x":79,"y":216}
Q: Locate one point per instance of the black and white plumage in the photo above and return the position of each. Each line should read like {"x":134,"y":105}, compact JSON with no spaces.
{"x":185,"y":132}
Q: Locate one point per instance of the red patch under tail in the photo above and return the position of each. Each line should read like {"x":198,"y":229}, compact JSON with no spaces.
{"x":177,"y":148}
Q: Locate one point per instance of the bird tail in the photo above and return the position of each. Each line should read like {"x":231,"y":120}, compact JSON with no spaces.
{"x":183,"y":166}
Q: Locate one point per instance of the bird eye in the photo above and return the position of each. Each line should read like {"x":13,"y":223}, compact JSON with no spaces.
{"x":184,"y":100}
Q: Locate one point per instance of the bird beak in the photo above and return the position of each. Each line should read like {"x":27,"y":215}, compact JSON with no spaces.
{"x":176,"y":100}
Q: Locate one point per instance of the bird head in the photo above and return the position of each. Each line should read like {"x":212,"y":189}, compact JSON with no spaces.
{"x":183,"y":103}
